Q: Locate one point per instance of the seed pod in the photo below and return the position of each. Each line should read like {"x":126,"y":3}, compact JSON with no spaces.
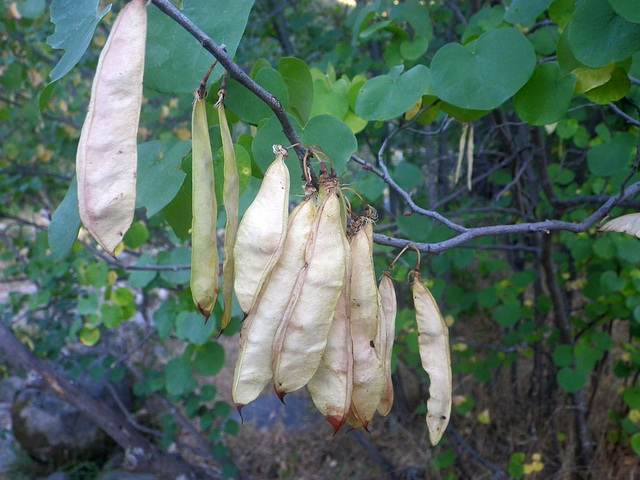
{"x":433,"y":342}
{"x":386,"y":336}
{"x":107,"y":158}
{"x":204,"y":251}
{"x":262,"y":232}
{"x":368,"y":373}
{"x":231,"y":194}
{"x":331,"y":386}
{"x":302,"y":335}
{"x":253,"y":366}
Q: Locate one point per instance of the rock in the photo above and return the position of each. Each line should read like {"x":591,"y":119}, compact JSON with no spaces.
{"x":8,"y":388}
{"x":53,"y":431}
{"x":118,"y":475}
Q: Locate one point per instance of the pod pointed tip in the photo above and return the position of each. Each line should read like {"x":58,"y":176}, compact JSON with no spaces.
{"x":239,"y":407}
{"x":281,"y":396}
{"x":336,"y":422}
{"x":205,"y":313}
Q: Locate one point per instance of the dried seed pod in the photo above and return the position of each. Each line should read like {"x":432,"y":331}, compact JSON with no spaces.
{"x":331,"y":386}
{"x":385,"y":338}
{"x":204,"y":251}
{"x":302,"y":335}
{"x":433,"y":342}
{"x":253,"y":366}
{"x":231,"y":194}
{"x":107,"y":158}
{"x":262,"y":232}
{"x":368,"y":372}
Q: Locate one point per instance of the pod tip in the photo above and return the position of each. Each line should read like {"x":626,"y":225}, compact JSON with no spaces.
{"x":336,"y":422}
{"x":239,"y":407}
{"x":281,"y":395}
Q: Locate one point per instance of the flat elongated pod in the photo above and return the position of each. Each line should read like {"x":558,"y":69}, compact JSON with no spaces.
{"x":629,"y":224}
{"x":262,"y":232}
{"x":107,"y":157}
{"x":204,"y":251}
{"x":385,"y":338}
{"x":433,"y":343}
{"x":231,"y":195}
{"x":302,"y":335}
{"x":253,"y":366}
{"x":368,"y":372}
{"x":331,"y":386}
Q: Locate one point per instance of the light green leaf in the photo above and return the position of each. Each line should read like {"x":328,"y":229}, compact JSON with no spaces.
{"x":250,"y":108}
{"x":175,"y":60}
{"x":75,"y":22}
{"x":546,"y":97}
{"x":142,"y":278}
{"x":616,"y":88}
{"x":485,"y":73}
{"x":389,"y":96}
{"x":65,"y":223}
{"x":190,"y":326}
{"x":598,"y":36}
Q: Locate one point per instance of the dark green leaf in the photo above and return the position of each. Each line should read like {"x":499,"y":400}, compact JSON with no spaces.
{"x":628,"y":9}
{"x":612,"y":157}
{"x":297,"y":77}
{"x":65,"y":223}
{"x":159,"y":174}
{"x":571,"y":380}
{"x":486,"y":72}
{"x":598,"y":36}
{"x":175,"y":60}
{"x":179,"y":378}
{"x":546,"y":97}
{"x":507,"y":315}
{"x":163,"y":318}
{"x":522,"y":11}
{"x":631,"y":397}
{"x":75,"y":22}
{"x":563,"y":356}
{"x":142,"y":278}
{"x":209,"y":359}
{"x":137,"y":235}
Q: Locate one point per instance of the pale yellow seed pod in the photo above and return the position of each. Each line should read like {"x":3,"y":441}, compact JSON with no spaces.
{"x":253,"y":366}
{"x":107,"y":157}
{"x":368,"y":372}
{"x":231,"y":194}
{"x":204,"y":250}
{"x":262,"y":232}
{"x":385,"y":338}
{"x":331,"y":386}
{"x":433,"y":342}
{"x":302,"y":335}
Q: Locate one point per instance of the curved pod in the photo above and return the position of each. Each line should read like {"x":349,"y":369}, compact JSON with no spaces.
{"x":107,"y":157}
{"x":433,"y":343}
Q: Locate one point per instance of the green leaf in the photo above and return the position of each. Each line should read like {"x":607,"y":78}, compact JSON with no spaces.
{"x":178,"y":212}
{"x":486,"y":72}
{"x":546,"y":97}
{"x":416,"y":227}
{"x":142,"y":278}
{"x":88,"y":305}
{"x":159,"y":174}
{"x":333,"y":136}
{"x":507,"y":315}
{"x":408,"y":176}
{"x":111,"y":315}
{"x":190,"y":326}
{"x":563,"y":356}
{"x":45,"y":95}
{"x":90,"y":336}
{"x":561,"y":11}
{"x":243,"y":164}
{"x":250,"y":108}
{"x":486,"y":20}
{"x":75,"y":22}
{"x":164,"y":316}
{"x":610,"y":282}
{"x":32,"y":9}
{"x":612,"y":157}
{"x":179,"y":378}
{"x":123,"y":297}
{"x":417,"y":14}
{"x":628,"y":9}
{"x":297,"y":77}
{"x":523,"y":11}
{"x":137,"y":235}
{"x":571,"y":380}
{"x":598,"y":36}
{"x":209,"y":359}
{"x":631,"y":397}
{"x":414,"y":49}
{"x":175,"y":61}
{"x":65,"y":223}
{"x":635,"y":443}
{"x":179,"y":256}
{"x":389,"y":96}
{"x":330,"y":98}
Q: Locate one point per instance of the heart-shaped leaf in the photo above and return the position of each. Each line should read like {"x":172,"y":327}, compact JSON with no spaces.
{"x":599,"y":36}
{"x":333,"y":136}
{"x":389,"y":96}
{"x":486,"y":72}
{"x":250,"y":108}
{"x":629,"y":9}
{"x":175,"y":61}
{"x":297,"y":77}
{"x":545,"y":98}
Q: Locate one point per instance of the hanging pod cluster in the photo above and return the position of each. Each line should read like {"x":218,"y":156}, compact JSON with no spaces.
{"x":315,"y":314}
{"x":106,"y":161}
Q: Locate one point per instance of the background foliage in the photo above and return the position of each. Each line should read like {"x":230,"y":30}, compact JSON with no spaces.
{"x":445,"y":116}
